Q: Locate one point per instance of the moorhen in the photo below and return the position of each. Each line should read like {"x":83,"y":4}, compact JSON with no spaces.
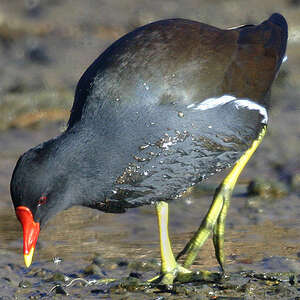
{"x":162,"y":108}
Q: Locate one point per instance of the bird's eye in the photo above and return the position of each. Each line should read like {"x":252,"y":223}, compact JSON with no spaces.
{"x":42,"y":200}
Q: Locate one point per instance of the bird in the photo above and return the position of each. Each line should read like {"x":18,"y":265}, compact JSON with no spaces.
{"x":161,"y":109}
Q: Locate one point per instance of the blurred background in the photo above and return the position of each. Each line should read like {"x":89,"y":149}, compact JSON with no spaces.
{"x":45,"y":46}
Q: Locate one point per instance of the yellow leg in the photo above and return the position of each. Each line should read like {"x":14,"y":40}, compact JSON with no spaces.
{"x":203,"y":232}
{"x":170,"y":269}
{"x":216,"y":216}
{"x":168,"y":262}
{"x":219,"y":230}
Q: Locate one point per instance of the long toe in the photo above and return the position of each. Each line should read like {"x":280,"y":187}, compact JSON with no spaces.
{"x":182,"y":275}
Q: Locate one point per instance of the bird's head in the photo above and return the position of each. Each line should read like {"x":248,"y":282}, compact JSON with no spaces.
{"x":35,"y":195}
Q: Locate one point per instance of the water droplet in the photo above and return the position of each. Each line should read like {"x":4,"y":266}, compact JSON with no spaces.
{"x":188,"y":201}
{"x":166,"y":145}
{"x":202,"y":177}
{"x":56,"y":260}
{"x":143,"y":147}
{"x":140,"y":159}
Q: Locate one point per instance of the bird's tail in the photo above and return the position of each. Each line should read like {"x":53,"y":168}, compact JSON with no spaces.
{"x":272,"y":34}
{"x":279,"y":35}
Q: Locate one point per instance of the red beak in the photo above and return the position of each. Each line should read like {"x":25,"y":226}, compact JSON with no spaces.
{"x":31,"y":232}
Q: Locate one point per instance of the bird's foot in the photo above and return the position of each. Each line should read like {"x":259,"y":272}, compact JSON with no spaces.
{"x":182,"y":275}
{"x":172,"y":271}
{"x":214,"y":222}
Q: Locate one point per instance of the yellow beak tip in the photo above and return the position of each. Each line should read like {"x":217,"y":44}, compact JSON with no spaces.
{"x":28,"y":257}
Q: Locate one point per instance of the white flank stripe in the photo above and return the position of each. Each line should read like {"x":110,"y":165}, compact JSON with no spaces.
{"x":252,"y":106}
{"x":285,"y":59}
{"x":215,"y":102}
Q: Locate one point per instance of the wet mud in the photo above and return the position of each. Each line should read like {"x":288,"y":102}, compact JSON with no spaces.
{"x":44,"y":47}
